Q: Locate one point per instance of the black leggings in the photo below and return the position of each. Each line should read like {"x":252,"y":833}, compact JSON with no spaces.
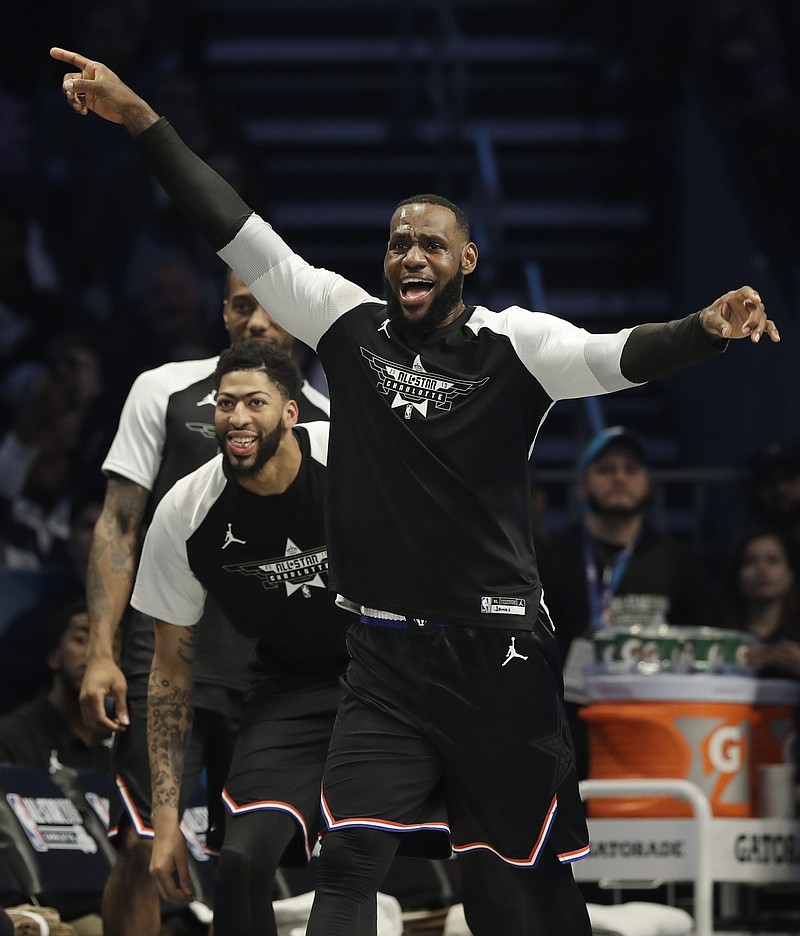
{"x":352,"y":865}
{"x":497,"y":897}
{"x":252,"y":850}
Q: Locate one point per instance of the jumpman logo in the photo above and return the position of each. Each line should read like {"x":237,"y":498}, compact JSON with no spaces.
{"x":230,"y":538}
{"x":511,"y":653}
{"x":385,"y":328}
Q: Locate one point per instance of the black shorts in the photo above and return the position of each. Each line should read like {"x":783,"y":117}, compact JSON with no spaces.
{"x":208,"y":759}
{"x":467,"y":713}
{"x":279,"y":757}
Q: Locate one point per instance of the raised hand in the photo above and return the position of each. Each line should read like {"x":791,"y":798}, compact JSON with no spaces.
{"x":739,"y":314}
{"x":96,"y":88}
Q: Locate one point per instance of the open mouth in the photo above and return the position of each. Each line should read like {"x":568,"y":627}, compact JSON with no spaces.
{"x":241,"y":445}
{"x":413,"y":291}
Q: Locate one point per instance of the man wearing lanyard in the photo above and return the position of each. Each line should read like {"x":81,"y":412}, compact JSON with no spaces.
{"x":632,"y":573}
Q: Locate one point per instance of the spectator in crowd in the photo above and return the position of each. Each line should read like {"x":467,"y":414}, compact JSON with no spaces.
{"x":32,"y":309}
{"x":23,"y":664}
{"x":54,"y":443}
{"x":760,"y":597}
{"x":49,"y":734}
{"x":35,"y":515}
{"x":611,"y":568}
{"x":49,"y":731}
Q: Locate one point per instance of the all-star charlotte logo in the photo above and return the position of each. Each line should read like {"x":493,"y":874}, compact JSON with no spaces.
{"x":206,"y":430}
{"x":298,"y":569}
{"x":414,"y":387}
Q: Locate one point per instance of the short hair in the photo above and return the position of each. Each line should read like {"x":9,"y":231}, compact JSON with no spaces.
{"x":62,"y":618}
{"x":278,"y":365}
{"x":226,"y":283}
{"x":462,"y":221}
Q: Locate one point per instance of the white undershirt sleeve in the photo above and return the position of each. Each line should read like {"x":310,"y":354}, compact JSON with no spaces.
{"x":569,"y":362}
{"x":166,"y":587}
{"x":303,"y":299}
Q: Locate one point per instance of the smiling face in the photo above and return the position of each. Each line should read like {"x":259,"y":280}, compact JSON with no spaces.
{"x":426,"y":259}
{"x":245,"y":317}
{"x":252,"y":417}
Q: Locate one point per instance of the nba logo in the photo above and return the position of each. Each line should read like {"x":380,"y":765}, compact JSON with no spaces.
{"x":485,"y":605}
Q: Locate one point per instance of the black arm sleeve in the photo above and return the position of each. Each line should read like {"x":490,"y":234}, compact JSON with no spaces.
{"x":207,"y":200}
{"x":660,"y":349}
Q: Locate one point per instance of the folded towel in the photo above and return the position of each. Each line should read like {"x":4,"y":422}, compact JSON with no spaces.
{"x":636,"y":918}
{"x":639,"y":918}
{"x":291,"y":915}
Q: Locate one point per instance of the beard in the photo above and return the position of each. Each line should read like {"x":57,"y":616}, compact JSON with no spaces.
{"x":437,"y":312}
{"x":264,"y":452}
{"x":617,"y":512}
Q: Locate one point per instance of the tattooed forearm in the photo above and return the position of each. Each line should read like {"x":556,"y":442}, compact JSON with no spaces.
{"x":114,"y":553}
{"x":170,"y":709}
{"x":186,"y":645}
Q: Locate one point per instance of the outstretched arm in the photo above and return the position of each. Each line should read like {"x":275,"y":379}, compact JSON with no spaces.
{"x":303,"y":299}
{"x":656,"y":350}
{"x":170,"y":709}
{"x":207,"y":200}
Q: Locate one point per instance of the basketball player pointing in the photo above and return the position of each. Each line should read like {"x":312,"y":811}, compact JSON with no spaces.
{"x":435,"y":407}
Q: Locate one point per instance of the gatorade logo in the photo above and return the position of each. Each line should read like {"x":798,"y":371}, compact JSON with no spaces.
{"x":726,"y":749}
{"x":718,"y":761}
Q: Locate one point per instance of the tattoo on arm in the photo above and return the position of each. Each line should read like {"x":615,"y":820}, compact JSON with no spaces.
{"x":170,"y":709}
{"x":115,"y":549}
{"x":186,"y":646}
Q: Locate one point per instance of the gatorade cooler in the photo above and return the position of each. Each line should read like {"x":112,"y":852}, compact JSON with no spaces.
{"x":712,"y":730}
{"x":773,"y":725}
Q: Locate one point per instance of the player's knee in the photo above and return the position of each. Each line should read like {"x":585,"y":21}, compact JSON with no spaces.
{"x":240,"y":869}
{"x":355,"y":860}
{"x":134,"y":857}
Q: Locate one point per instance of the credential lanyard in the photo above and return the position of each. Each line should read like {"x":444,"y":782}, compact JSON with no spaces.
{"x":602,"y":593}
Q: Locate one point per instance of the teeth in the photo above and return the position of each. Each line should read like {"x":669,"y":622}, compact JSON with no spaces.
{"x":416,"y":286}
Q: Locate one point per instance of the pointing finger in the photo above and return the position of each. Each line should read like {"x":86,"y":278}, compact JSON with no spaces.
{"x":72,"y":58}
